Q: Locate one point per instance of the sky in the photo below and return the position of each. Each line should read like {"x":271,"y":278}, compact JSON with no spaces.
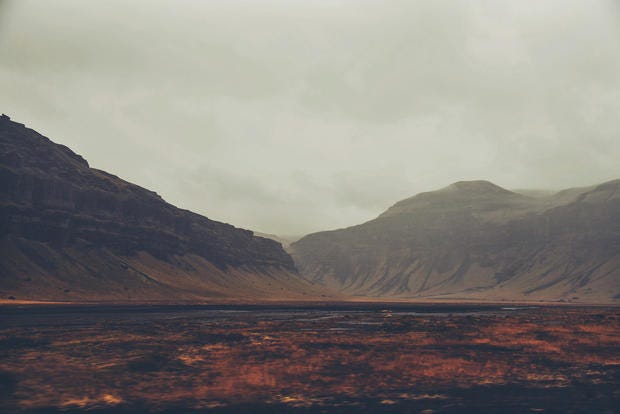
{"x":291,"y":116}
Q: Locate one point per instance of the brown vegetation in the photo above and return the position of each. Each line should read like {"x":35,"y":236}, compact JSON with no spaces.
{"x":305,"y":360}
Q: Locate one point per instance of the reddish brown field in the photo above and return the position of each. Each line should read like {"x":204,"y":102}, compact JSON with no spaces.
{"x":313,"y":360}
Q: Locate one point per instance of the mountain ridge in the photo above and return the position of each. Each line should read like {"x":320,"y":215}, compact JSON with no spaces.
{"x":455,"y":242}
{"x":71,"y":232}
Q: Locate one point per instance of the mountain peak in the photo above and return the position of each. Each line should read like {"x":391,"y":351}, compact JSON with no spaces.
{"x":477,"y":195}
{"x":476,"y":186}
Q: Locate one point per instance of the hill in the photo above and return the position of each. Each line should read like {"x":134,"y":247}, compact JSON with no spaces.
{"x":71,"y":232}
{"x":476,"y":240}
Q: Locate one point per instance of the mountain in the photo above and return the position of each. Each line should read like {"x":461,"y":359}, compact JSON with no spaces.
{"x":71,"y":232}
{"x":476,"y":240}
{"x":285,"y":241}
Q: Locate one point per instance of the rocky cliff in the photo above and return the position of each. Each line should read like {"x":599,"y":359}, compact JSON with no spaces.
{"x":476,"y":240}
{"x":68,"y":231}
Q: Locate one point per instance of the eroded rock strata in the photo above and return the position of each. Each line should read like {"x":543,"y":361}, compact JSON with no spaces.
{"x":69,"y":232}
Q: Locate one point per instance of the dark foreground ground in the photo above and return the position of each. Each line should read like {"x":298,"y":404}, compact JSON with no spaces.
{"x":408,"y":359}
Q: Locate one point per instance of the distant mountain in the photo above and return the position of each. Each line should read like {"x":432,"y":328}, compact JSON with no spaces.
{"x":476,"y":240}
{"x":284,"y":241}
{"x":70,"y":232}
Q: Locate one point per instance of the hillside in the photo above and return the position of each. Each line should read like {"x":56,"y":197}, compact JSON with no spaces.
{"x":71,"y":232}
{"x":476,"y":240}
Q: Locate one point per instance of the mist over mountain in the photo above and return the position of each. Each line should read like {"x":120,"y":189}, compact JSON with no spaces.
{"x":292,"y":117}
{"x":476,"y":240}
{"x":71,"y":232}
{"x":309,"y":207}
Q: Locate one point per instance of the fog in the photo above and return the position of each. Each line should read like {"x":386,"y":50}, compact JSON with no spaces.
{"x":295,"y":116}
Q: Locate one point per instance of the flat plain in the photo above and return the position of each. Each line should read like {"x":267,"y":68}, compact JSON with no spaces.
{"x":375,"y":358}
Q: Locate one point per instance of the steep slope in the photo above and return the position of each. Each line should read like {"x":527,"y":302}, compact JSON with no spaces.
{"x":479,"y":241}
{"x":70,"y":232}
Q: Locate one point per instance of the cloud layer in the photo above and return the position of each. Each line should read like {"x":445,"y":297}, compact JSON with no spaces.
{"x":296,"y":116}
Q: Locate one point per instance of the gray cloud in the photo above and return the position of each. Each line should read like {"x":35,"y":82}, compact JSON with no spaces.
{"x":295,"y":116}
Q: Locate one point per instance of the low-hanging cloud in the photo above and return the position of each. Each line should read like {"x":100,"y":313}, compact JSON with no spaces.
{"x":295,"y":116}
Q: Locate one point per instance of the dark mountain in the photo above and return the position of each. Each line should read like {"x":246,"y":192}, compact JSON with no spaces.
{"x":70,"y":232}
{"x":477,"y":240}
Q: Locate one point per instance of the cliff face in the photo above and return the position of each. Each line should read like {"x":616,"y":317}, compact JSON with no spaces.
{"x":479,"y":241}
{"x":69,"y":231}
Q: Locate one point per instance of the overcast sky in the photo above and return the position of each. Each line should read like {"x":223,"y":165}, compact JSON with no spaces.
{"x":295,"y":116}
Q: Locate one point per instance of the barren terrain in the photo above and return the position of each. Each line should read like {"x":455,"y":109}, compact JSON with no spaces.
{"x":349,"y":358}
